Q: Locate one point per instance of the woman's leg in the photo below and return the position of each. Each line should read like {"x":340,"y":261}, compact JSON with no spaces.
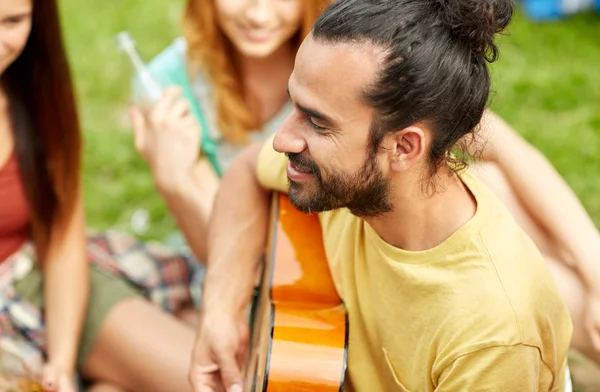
{"x":568,"y":282}
{"x":104,"y":388}
{"x":141,"y":349}
{"x":139,"y":330}
{"x":190,"y":316}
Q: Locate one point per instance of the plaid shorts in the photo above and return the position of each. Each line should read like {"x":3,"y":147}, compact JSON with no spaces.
{"x":169,"y":279}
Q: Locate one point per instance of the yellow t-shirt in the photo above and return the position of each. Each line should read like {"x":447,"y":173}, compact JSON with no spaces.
{"x":479,"y":312}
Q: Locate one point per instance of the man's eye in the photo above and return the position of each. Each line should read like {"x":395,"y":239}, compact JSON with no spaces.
{"x":313,"y":125}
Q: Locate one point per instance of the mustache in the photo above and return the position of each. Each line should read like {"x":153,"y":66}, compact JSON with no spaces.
{"x":303,"y":163}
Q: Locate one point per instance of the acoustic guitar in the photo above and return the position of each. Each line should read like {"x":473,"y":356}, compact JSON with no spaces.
{"x":299,"y":326}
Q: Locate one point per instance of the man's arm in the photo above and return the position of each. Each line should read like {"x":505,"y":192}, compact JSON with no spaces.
{"x":236,"y":241}
{"x":237,"y":236}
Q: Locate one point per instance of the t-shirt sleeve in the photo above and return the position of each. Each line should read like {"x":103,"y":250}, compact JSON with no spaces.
{"x":271,"y":168}
{"x":498,"y":368}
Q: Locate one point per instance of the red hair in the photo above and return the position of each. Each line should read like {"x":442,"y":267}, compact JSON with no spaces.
{"x":213,"y":52}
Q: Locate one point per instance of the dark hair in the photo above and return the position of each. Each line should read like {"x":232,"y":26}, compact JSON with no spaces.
{"x":45,"y":123}
{"x":435,"y":70}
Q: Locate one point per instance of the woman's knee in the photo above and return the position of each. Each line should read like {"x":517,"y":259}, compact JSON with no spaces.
{"x":574,"y":295}
{"x":141,"y":347}
{"x":103,"y":387}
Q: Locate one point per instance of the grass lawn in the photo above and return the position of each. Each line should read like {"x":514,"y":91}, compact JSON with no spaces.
{"x":117,"y":181}
{"x":546,"y":84}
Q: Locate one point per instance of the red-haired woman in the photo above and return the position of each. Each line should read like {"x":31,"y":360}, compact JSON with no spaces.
{"x":239,"y":55}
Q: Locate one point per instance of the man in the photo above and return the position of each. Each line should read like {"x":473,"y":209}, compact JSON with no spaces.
{"x":444,"y":291}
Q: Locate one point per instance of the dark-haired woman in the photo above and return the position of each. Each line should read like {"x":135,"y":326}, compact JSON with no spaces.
{"x":103,"y":307}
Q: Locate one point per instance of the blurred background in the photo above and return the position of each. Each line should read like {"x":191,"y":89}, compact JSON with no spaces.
{"x":546,"y":84}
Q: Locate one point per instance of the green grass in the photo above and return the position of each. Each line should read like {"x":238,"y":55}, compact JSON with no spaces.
{"x":546,"y":84}
{"x":117,"y":181}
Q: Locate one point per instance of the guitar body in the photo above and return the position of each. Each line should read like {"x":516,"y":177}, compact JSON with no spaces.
{"x":299,"y":329}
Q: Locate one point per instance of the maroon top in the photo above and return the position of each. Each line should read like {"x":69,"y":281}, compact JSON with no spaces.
{"x":14,"y":209}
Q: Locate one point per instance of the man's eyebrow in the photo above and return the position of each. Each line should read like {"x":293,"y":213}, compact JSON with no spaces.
{"x":312,"y":112}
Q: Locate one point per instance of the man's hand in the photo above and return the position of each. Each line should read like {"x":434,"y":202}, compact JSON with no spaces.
{"x":236,"y":243}
{"x":219,"y":354}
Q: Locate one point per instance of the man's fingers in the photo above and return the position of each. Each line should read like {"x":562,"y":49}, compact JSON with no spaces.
{"x":205,"y":378}
{"x":230,"y":371}
{"x":204,"y":370}
{"x":244,"y":344}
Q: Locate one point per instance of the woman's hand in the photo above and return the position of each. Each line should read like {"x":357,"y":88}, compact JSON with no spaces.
{"x":167,"y":136}
{"x":55,"y":379}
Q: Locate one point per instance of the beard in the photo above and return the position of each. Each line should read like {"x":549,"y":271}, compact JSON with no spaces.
{"x":366,"y":193}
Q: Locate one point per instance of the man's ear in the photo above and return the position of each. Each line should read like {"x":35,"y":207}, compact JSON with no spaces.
{"x":406,"y":147}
